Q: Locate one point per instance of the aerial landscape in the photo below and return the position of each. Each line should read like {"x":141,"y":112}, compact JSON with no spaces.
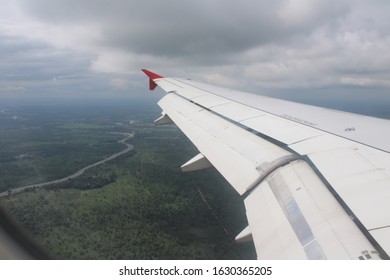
{"x":86,"y":174}
{"x":135,"y":205}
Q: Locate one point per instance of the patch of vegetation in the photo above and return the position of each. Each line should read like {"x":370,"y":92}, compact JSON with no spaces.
{"x":37,"y":147}
{"x":83,"y":126}
{"x":138,"y":206}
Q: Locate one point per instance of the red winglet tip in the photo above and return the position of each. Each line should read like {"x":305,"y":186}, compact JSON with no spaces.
{"x":151,"y":75}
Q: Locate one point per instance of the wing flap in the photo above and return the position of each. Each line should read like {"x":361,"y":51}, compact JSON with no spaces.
{"x":381,"y":235}
{"x":294,"y":216}
{"x":363,"y":186}
{"x":359,"y":174}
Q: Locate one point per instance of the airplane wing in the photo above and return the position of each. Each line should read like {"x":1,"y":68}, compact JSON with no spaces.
{"x":315,"y":182}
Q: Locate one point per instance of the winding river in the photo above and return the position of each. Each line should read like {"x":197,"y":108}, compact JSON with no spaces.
{"x":81,"y":171}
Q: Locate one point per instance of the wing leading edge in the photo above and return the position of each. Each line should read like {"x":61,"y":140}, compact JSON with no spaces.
{"x":312,"y":190}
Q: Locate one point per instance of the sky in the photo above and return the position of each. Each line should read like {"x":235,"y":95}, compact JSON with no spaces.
{"x":332,"y":51}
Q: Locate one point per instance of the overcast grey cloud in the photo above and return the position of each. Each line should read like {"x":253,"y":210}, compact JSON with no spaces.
{"x":280,"y":45}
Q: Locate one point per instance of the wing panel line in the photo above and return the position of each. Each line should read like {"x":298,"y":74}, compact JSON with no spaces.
{"x":296,"y":219}
{"x":348,"y":210}
{"x":276,"y":115}
{"x":270,"y":167}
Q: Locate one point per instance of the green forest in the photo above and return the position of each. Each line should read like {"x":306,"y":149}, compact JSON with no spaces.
{"x":137,"y":206}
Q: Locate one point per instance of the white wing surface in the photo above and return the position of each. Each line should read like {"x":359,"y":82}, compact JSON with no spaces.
{"x":315,"y":181}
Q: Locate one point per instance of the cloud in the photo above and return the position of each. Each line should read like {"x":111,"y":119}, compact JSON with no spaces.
{"x":205,"y":30}
{"x":12,"y":88}
{"x":250,"y":44}
{"x":118,"y":83}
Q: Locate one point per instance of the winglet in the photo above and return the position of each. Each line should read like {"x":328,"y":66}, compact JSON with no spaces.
{"x":152,"y":76}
